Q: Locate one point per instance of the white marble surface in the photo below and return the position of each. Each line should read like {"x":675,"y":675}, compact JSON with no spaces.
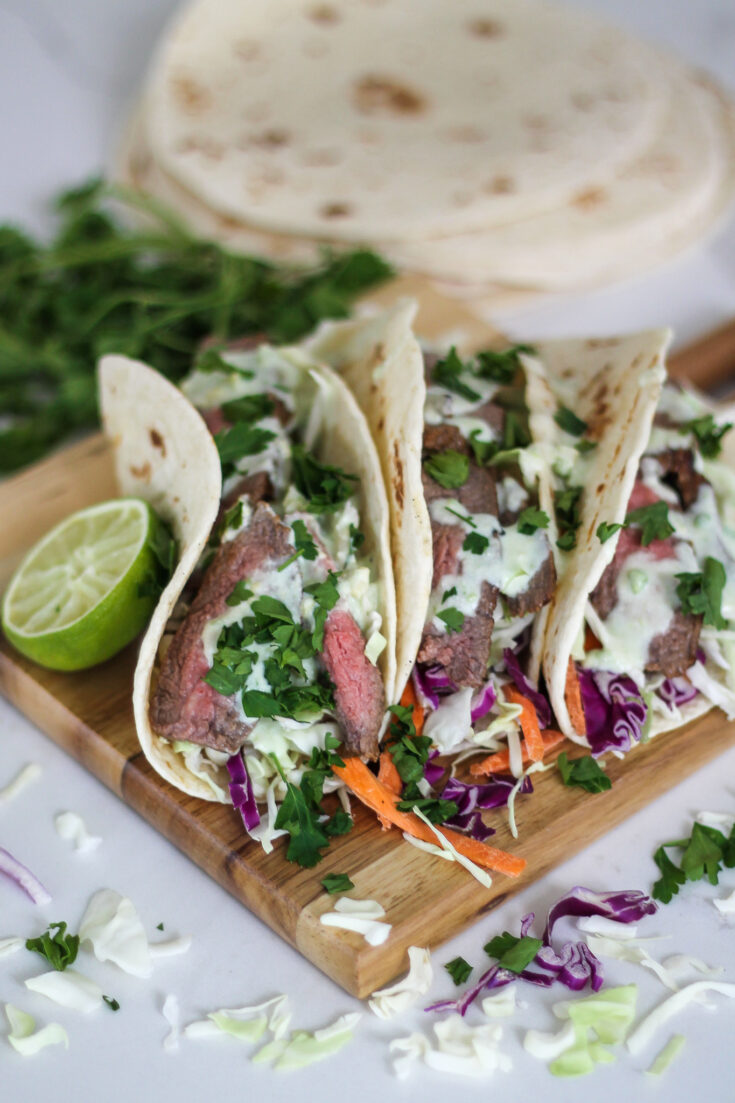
{"x":67,"y":71}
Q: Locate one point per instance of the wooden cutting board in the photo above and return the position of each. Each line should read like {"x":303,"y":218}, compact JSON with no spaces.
{"x":427,"y":900}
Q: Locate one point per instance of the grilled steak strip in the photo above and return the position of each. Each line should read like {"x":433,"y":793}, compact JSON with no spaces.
{"x":358,"y":685}
{"x":677,"y":465}
{"x":539,"y":590}
{"x":463,"y":655}
{"x":183,"y":706}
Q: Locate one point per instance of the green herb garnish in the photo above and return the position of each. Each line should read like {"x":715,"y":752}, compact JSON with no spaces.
{"x":476,"y":544}
{"x":301,"y":810}
{"x":709,"y":435}
{"x":653,"y":520}
{"x":447,"y":373}
{"x":531,"y":519}
{"x":325,"y":487}
{"x":704,"y":854}
{"x":607,"y":529}
{"x":60,"y":949}
{"x":303,"y":543}
{"x":584,"y":772}
{"x":450,"y":469}
{"x":513,"y":953}
{"x":501,"y":366}
{"x":567,"y":420}
{"x":111,"y":1003}
{"x":453,"y":619}
{"x":566,"y":507}
{"x":153,"y":293}
{"x":459,"y":970}
{"x":337,"y":882}
{"x":701,"y":592}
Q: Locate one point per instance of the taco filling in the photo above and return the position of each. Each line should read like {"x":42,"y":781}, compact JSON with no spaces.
{"x":276,"y":639}
{"x":493,"y":568}
{"x":659,"y":620}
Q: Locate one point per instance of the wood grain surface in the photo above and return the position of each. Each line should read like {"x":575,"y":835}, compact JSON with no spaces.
{"x":427,"y":900}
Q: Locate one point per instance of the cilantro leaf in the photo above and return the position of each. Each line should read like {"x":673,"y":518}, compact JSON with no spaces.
{"x":241,"y":440}
{"x":434,"y":808}
{"x":462,"y":516}
{"x":703,"y":854}
{"x":701,"y":592}
{"x":476,"y":544}
{"x":671,"y":877}
{"x":584,"y":446}
{"x":584,"y":772}
{"x":222,"y":679}
{"x":459,"y":970}
{"x":709,"y":435}
{"x":654,"y":521}
{"x":303,"y":543}
{"x":453,"y":619}
{"x":59,"y":949}
{"x":607,"y":529}
{"x":447,"y":373}
{"x":357,"y":538}
{"x":566,"y":507}
{"x":249,"y":407}
{"x":337,"y":882}
{"x":482,"y":450}
{"x":531,"y":519}
{"x":450,"y":469}
{"x":324,"y":486}
{"x":240,"y":593}
{"x":501,"y":366}
{"x":567,"y":420}
{"x":111,"y":1003}
{"x":339,"y":824}
{"x":513,"y":953}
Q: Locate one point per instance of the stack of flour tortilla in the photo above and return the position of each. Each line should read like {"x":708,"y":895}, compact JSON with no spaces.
{"x":478,"y":142}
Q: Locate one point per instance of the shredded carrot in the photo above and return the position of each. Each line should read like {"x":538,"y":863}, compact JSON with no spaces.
{"x":591,"y":642}
{"x":408,"y":697}
{"x":499,"y":763}
{"x":573,"y":699}
{"x":367,"y":788}
{"x":529,"y":723}
{"x":388,"y":775}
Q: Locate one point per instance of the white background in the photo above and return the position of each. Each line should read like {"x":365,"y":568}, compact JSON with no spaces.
{"x":68,"y":70}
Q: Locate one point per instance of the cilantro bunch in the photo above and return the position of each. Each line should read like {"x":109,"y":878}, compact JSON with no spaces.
{"x":301,"y":813}
{"x":153,"y":294}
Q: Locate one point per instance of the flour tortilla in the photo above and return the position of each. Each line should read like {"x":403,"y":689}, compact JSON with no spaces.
{"x":402,"y":120}
{"x":168,"y":457}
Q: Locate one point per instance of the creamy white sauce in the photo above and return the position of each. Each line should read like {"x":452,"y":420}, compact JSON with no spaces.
{"x":512,"y":497}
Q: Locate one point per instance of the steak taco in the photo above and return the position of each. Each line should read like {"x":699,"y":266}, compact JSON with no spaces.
{"x":276,"y":636}
{"x":473,"y":560}
{"x":639,"y":637}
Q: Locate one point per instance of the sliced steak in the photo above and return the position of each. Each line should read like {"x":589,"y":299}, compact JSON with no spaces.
{"x":215,"y":420}
{"x":358,"y":685}
{"x":463,"y":655}
{"x":678,"y":471}
{"x":442,"y":438}
{"x":672,"y":652}
{"x":447,"y":543}
{"x":257,"y":486}
{"x":493,"y":415}
{"x":540,"y":590}
{"x":183,"y":706}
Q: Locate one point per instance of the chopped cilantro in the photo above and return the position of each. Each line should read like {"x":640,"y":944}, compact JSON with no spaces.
{"x":301,"y":810}
{"x":702,"y":592}
{"x":459,"y":970}
{"x":303,"y":543}
{"x":435,"y":809}
{"x":241,"y":592}
{"x":566,"y":506}
{"x":337,"y":882}
{"x":567,"y":420}
{"x":339,"y":824}
{"x":241,"y":440}
{"x":324,"y":486}
{"x":584,"y":772}
{"x":231,"y":519}
{"x":705,"y":853}
{"x":515,"y":433}
{"x":410,"y":751}
{"x":453,"y":619}
{"x":450,"y":469}
{"x":462,"y":516}
{"x":584,"y":446}
{"x":531,"y":519}
{"x":483,"y":450}
{"x":357,"y":538}
{"x":513,"y":953}
{"x":709,"y":435}
{"x":250,"y":407}
{"x":501,"y":366}
{"x":606,"y":529}
{"x":111,"y":1003}
{"x":159,"y":927}
{"x":452,"y":592}
{"x":653,"y":520}
{"x":447,"y":373}
{"x":60,"y":949}
{"x":475,"y":543}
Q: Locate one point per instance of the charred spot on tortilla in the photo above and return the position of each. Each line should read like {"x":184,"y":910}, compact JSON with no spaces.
{"x":157,"y":441}
{"x":397,"y":480}
{"x":272,"y":138}
{"x":500,"y":185}
{"x":335,"y":210}
{"x":589,"y":199}
{"x":324,"y":14}
{"x":142,"y":472}
{"x":375,"y":94}
{"x":485,"y":28}
{"x":189,"y":94}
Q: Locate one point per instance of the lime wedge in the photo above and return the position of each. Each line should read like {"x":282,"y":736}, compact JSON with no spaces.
{"x":88,"y":587}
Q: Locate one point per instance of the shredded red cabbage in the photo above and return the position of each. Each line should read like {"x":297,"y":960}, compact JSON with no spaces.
{"x":676,"y":691}
{"x":23,"y":878}
{"x":491,"y":794}
{"x":482,"y":702}
{"x":431,"y":683}
{"x":241,"y":791}
{"x":433,"y":772}
{"x":573,"y":964}
{"x":527,"y":688}
{"x":614,"y":710}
